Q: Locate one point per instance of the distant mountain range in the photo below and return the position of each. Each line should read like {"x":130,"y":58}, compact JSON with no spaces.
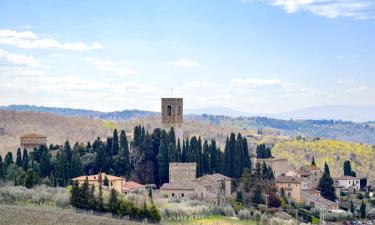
{"x":117,"y":115}
{"x":347,"y":113}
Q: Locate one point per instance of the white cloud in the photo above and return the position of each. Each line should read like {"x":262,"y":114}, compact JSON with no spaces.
{"x":184,"y":63}
{"x":111,"y":66}
{"x":255,"y":82}
{"x":359,"y":9}
{"x":30,"y":40}
{"x":18,"y":59}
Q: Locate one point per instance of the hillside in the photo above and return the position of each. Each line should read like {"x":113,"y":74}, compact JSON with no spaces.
{"x":58,"y":129}
{"x":117,"y":115}
{"x":362,"y":132}
{"x":300,"y":152}
{"x":11,"y":215}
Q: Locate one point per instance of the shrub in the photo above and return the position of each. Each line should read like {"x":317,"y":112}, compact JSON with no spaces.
{"x":229,"y":211}
{"x":244,"y":214}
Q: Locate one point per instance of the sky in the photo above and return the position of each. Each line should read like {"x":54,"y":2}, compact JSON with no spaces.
{"x":259,"y":56}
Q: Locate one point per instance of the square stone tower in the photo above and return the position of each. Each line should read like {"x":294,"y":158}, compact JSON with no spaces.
{"x":182,"y":172}
{"x":172,"y":111}
{"x":172,"y":115}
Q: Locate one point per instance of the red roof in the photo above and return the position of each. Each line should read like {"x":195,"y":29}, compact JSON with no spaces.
{"x":131,"y":185}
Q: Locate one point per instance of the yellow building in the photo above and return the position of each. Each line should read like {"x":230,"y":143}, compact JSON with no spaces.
{"x":293,"y":186}
{"x":118,"y":183}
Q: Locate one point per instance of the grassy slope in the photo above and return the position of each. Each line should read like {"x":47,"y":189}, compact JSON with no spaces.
{"x":333,"y":152}
{"x":17,"y":215}
{"x":34,"y":215}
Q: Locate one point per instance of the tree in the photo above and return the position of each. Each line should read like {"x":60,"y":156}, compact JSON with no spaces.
{"x":352,"y":207}
{"x":115,"y":143}
{"x":106,"y":181}
{"x":19,"y":158}
{"x":313,"y":161}
{"x":363,"y":210}
{"x":326,"y":185}
{"x":122,"y":160}
{"x":45,"y":165}
{"x":348,"y":169}
{"x":75,"y":194}
{"x":257,"y":195}
{"x":2,"y":174}
{"x":8,"y":159}
{"x":113,"y":203}
{"x":31,"y":179}
{"x":273,"y":200}
{"x":163,"y":159}
{"x":25,"y":160}
{"x":76,"y":166}
{"x":100,"y":200}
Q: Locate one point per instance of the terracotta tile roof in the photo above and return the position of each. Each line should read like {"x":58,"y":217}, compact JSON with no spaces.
{"x":178,"y":186}
{"x":303,"y":172}
{"x":95,"y":177}
{"x":33,"y":135}
{"x":346,"y":178}
{"x":288,"y":179}
{"x":131,"y":185}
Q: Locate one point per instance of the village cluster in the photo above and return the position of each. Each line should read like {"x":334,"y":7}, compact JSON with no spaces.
{"x":298,"y":185}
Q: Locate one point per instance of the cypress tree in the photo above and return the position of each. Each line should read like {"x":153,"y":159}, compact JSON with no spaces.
{"x":8,"y":159}
{"x":76,"y":166}
{"x":348,"y":169}
{"x":178,"y":150}
{"x":123,"y":163}
{"x":2,"y":174}
{"x":206,"y":159}
{"x":75,"y":192}
{"x":113,"y":201}
{"x":163,"y":159}
{"x":19,"y":158}
{"x":45,"y":165}
{"x":25,"y":160}
{"x":115,"y":144}
{"x":363,"y":210}
{"x":313,"y":161}
{"x":326,"y":185}
{"x":100,"y":199}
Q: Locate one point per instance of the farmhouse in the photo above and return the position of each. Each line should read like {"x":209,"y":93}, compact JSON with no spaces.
{"x":347,"y":182}
{"x":315,"y":200}
{"x":117,"y":183}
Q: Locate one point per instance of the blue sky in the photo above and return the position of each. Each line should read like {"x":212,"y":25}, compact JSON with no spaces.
{"x":261,"y":56}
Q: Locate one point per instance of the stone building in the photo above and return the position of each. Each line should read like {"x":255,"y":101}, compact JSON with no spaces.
{"x":172,"y":111}
{"x":315,"y":200}
{"x":114,"y":182}
{"x":183,"y":183}
{"x":31,"y":141}
{"x":172,"y":115}
{"x":293,"y":186}
{"x":279,"y":166}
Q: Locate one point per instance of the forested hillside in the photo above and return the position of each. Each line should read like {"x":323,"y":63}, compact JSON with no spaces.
{"x":299,"y":152}
{"x":117,"y":115}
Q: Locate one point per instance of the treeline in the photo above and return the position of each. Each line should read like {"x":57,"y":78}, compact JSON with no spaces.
{"x":263,"y":152}
{"x":85,"y":197}
{"x":146,"y":159}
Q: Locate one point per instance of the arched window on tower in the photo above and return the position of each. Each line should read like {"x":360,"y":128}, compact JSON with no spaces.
{"x":169,"y":110}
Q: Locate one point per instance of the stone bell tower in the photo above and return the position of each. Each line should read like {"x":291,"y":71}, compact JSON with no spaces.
{"x":172,"y":115}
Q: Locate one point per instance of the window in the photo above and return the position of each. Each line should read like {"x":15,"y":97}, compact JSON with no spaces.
{"x":169,"y":110}
{"x":172,"y":194}
{"x":182,"y":195}
{"x":111,"y":183}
